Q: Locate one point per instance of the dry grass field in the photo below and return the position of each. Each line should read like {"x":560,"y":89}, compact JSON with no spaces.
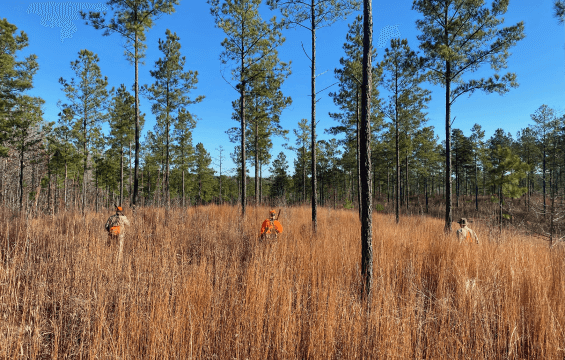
{"x":197,"y":284}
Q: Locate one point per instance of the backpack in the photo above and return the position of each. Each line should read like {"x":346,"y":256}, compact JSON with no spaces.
{"x":114,"y":227}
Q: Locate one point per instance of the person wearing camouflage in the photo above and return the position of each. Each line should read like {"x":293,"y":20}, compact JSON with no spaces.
{"x":465,"y":234}
{"x":115,"y":226}
{"x":271,"y":227}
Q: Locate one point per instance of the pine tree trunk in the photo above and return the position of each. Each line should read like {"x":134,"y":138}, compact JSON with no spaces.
{"x":242,"y":116}
{"x":256,"y":163}
{"x":167,"y":189}
{"x":543,"y":177}
{"x":129,"y":166}
{"x":426,"y":190}
{"x":365,"y":149}
{"x":448,"y":183}
{"x":96,"y":191}
{"x":358,"y":156}
{"x":476,"y":186}
{"x":406,"y":186}
{"x":397,"y":141}
{"x":121,"y":176}
{"x":304,"y":173}
{"x":137,"y":130}
{"x":313,"y":166}
{"x":500,"y":205}
{"x":21,"y":180}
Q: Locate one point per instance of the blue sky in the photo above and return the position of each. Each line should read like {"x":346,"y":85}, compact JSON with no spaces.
{"x":538,"y":61}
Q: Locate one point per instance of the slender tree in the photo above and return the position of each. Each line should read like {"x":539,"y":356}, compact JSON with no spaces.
{"x":506,"y":172}
{"x":25,"y":137}
{"x":280,"y":180}
{"x":15,"y":76}
{"x":365,"y":154}
{"x":249,"y":41}
{"x":313,"y":15}
{"x":88,"y":101}
{"x":169,"y":93}
{"x":302,"y":138}
{"x":348,"y":97}
{"x":545,"y":127}
{"x":131,"y":19}
{"x":182,"y":147}
{"x":402,"y":76}
{"x":204,"y":174}
{"x":458,"y":37}
{"x":478,"y":134}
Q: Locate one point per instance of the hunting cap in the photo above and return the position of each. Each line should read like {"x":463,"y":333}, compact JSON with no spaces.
{"x":119,"y":208}
{"x":463,"y":221}
{"x":272,"y":212}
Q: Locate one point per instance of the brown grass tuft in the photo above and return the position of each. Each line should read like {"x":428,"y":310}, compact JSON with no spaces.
{"x":197,"y":283}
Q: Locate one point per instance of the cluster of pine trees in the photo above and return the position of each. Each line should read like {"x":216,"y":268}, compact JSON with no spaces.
{"x":74,"y":163}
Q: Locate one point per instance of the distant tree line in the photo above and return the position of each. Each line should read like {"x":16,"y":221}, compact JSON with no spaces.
{"x":93,"y":157}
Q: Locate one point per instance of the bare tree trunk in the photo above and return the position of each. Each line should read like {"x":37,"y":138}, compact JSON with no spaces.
{"x":304,"y":173}
{"x":448,"y":183}
{"x":85,"y":149}
{"x":313,"y":67}
{"x":129,"y":166}
{"x":406,"y":194}
{"x":242,"y":116}
{"x":358,"y":148}
{"x":166,"y":182}
{"x":137,"y":129}
{"x":121,"y":176}
{"x":96,"y":191}
{"x":65,"y":186}
{"x":21,"y":181}
{"x":256,"y":162}
{"x":476,"y":185}
{"x":366,"y":188}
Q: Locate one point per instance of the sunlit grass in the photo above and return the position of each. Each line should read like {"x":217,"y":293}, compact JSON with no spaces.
{"x":197,"y":283}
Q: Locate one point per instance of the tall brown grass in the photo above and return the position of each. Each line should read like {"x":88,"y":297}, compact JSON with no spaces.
{"x":197,"y":283}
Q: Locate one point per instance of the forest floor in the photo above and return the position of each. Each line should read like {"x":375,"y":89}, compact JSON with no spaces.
{"x":198,"y":283}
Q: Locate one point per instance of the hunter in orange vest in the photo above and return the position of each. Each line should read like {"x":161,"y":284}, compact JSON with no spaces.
{"x":271,"y":227}
{"x":465,"y":234}
{"x":115,"y":226}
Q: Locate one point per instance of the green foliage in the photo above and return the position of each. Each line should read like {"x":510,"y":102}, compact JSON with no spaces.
{"x":280,"y":177}
{"x":203,"y":173}
{"x":379,"y":207}
{"x":349,"y":76}
{"x":348,"y":204}
{"x":169,"y":95}
{"x":506,"y":171}
{"x":131,"y":19}
{"x":559,"y":10}
{"x":87,"y":101}
{"x":15,"y":76}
